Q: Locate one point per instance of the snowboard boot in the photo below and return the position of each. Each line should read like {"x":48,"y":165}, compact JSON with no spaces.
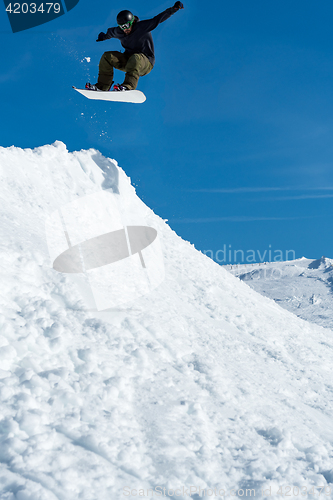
{"x":119,"y":88}
{"x":89,"y":86}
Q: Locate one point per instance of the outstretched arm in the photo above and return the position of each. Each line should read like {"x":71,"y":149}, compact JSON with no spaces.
{"x":151,"y":24}
{"x":105,"y":36}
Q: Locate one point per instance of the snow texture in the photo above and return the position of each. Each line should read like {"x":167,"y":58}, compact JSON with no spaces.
{"x":202,"y":384}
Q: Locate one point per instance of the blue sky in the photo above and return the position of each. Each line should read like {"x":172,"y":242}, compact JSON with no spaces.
{"x":234,"y":143}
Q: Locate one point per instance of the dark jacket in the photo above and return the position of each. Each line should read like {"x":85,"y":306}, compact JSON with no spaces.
{"x":140,"y":39}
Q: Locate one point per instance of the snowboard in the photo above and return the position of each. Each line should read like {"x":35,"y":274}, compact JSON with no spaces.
{"x":135,"y":96}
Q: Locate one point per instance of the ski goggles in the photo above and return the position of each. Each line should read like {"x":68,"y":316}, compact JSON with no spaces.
{"x":126,"y":26}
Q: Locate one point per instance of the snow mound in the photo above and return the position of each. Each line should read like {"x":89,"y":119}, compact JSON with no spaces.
{"x":204,"y":383}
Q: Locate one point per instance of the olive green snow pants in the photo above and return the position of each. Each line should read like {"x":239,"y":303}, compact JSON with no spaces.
{"x":134,"y":65}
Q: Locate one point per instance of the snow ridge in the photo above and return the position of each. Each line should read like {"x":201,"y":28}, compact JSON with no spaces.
{"x":202,"y":384}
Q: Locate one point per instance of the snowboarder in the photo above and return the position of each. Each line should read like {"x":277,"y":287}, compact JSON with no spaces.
{"x":138,"y":58}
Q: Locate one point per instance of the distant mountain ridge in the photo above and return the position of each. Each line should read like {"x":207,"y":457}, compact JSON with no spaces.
{"x":302,"y":286}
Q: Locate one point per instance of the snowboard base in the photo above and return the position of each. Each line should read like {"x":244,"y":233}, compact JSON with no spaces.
{"x":134,"y":96}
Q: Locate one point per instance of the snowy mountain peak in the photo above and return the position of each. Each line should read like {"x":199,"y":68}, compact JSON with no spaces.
{"x":322,"y":263}
{"x":200,"y":385}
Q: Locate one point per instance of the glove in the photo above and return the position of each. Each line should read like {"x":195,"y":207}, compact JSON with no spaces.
{"x":101,"y":37}
{"x":178,"y":6}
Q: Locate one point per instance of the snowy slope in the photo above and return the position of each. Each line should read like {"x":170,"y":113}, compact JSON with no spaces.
{"x":202,"y":384}
{"x":302,"y":286}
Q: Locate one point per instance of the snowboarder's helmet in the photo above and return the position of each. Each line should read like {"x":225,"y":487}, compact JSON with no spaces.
{"x":125,"y":19}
